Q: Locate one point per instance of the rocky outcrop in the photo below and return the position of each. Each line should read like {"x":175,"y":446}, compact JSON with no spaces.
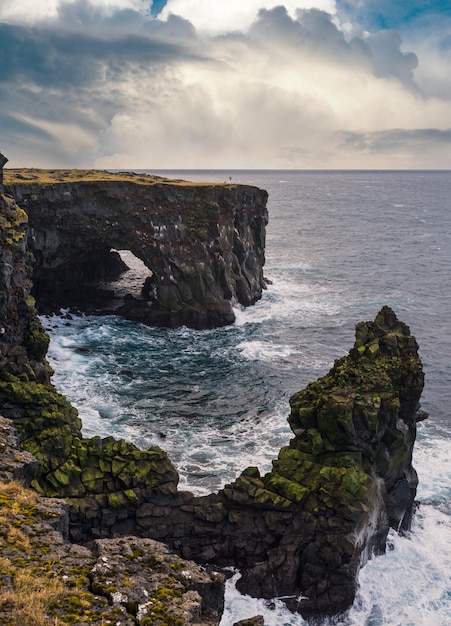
{"x":252,"y":621}
{"x":46,"y":579}
{"x":301,"y":531}
{"x":203,"y":244}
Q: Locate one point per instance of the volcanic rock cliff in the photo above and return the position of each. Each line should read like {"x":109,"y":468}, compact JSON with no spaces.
{"x":301,"y":531}
{"x":203,"y":244}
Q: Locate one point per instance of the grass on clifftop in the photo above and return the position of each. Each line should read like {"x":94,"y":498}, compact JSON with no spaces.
{"x":32,"y":176}
{"x":26,"y":593}
{"x":39,"y":584}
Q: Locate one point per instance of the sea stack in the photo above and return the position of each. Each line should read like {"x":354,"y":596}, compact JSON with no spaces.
{"x":302,"y":531}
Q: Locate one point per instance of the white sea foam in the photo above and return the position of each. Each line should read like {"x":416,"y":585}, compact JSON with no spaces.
{"x":264,"y":351}
{"x":407,"y":586}
{"x":432,"y":459}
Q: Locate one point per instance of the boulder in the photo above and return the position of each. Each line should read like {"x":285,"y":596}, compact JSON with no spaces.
{"x":252,"y":621}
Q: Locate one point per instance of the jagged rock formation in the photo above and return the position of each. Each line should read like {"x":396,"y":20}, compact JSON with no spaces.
{"x":302,"y":530}
{"x":203,"y":244}
{"x":126,"y":580}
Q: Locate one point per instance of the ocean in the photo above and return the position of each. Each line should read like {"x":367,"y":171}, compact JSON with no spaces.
{"x":340,"y":245}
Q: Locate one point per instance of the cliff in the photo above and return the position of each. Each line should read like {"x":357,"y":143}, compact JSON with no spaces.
{"x":203,"y":244}
{"x":301,"y":531}
{"x":133,"y":580}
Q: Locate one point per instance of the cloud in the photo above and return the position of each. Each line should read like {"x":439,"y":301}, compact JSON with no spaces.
{"x":219,"y":17}
{"x":30,"y":11}
{"x":113,"y":86}
{"x":397,"y":138}
{"x":285,"y":91}
{"x":388,"y":59}
{"x":414,"y":147}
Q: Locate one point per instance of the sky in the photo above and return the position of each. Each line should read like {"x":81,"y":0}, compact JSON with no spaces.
{"x":226,"y":84}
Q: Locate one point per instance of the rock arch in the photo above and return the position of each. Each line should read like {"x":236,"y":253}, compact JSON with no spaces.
{"x":203,"y":244}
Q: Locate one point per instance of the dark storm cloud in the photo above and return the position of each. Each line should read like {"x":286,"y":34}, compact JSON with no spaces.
{"x":395,"y":139}
{"x":58,"y":58}
{"x":81,"y":69}
{"x":119,"y":88}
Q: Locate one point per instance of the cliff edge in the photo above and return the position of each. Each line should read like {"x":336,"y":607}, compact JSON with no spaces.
{"x":203,"y":244}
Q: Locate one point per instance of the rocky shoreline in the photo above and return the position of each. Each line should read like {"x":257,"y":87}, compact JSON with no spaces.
{"x":301,"y":531}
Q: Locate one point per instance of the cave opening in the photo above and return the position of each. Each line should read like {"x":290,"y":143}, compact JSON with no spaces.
{"x":131,"y":281}
{"x":98,"y":281}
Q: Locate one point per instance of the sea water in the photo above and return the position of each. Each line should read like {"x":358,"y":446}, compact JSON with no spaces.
{"x":340,"y":245}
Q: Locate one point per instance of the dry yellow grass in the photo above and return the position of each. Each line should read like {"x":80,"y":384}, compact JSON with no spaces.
{"x":32,"y":176}
{"x":31,"y":597}
{"x":30,"y":594}
{"x":37,"y":586}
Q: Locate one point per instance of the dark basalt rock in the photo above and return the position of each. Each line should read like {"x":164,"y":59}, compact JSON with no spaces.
{"x":3,"y":162}
{"x":303,"y":531}
{"x":252,"y":621}
{"x":203,"y":244}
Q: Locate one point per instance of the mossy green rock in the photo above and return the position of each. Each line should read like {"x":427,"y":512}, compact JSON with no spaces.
{"x":348,"y":471}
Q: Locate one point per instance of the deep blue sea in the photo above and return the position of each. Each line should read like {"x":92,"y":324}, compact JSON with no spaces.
{"x":340,"y":245}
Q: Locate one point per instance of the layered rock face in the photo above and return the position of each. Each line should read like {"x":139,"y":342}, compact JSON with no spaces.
{"x":133,"y":580}
{"x":203,"y":244}
{"x":23,"y":345}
